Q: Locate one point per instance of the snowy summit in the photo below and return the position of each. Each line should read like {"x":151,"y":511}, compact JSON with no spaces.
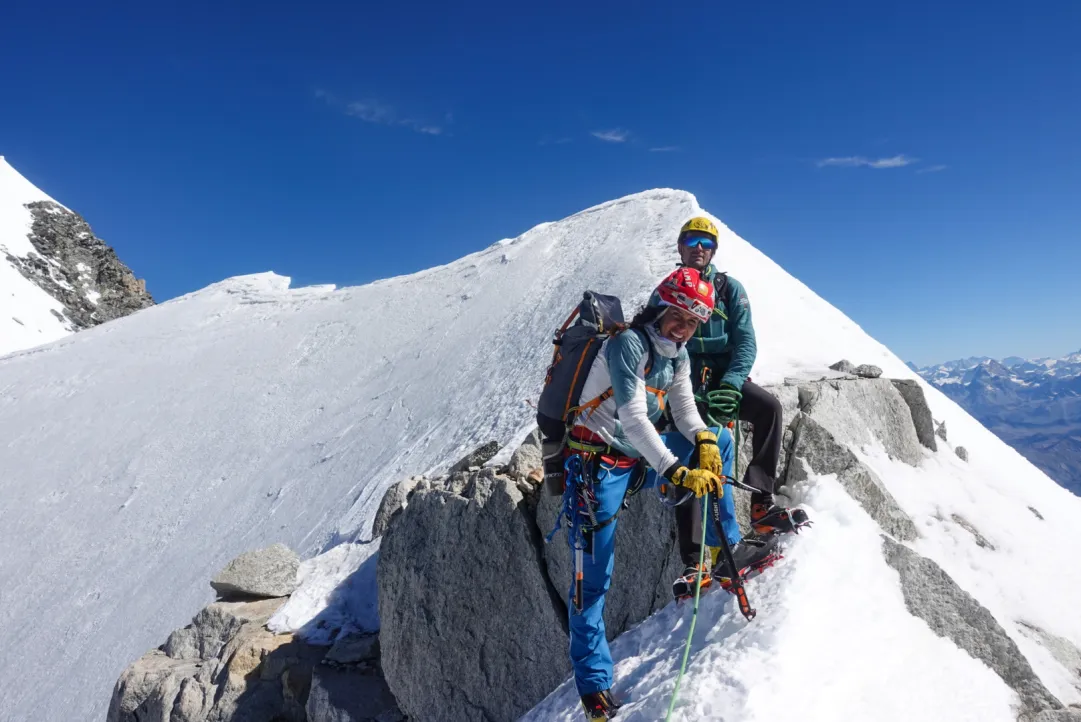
{"x":143,"y":455}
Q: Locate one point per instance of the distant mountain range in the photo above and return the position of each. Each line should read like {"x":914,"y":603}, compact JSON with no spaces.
{"x":1032,"y":404}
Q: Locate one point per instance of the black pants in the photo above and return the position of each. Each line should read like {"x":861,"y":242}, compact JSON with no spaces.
{"x":764,"y":413}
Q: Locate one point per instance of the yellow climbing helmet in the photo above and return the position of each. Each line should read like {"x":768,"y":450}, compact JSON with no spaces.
{"x":700,"y":224}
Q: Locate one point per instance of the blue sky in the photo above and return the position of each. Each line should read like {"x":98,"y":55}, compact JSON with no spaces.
{"x":917,"y":165}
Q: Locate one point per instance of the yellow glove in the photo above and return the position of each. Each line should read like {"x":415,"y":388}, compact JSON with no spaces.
{"x":699,"y":481}
{"x":709,"y":456}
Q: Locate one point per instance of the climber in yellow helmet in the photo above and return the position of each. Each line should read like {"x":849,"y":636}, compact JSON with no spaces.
{"x":722,"y":352}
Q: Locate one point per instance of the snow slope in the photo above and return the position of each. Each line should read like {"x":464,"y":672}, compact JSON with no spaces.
{"x":27,"y":313}
{"x":142,"y":455}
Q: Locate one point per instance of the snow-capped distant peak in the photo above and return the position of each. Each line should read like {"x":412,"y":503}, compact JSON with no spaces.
{"x":56,"y":276}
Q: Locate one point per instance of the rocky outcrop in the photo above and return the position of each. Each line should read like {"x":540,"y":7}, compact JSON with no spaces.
{"x":932,"y":595}
{"x":527,"y":457}
{"x":226,"y":666}
{"x":1063,"y":650}
{"x":394,"y":500}
{"x":867,"y":371}
{"x":962,"y":453}
{"x":981,"y":540}
{"x":825,"y":420}
{"x":922,"y":420}
{"x":269,"y":572}
{"x":470,"y":623}
{"x":342,"y":696}
{"x":78,"y":269}
{"x":472,"y":599}
{"x":451,"y":636}
{"x":817,"y":451}
{"x":940,"y":430}
{"x":477,"y":457}
{"x":844,"y":366}
{"x":861,"y":412}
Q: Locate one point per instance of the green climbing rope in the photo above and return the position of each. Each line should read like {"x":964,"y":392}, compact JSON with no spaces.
{"x":694,"y":614}
{"x":698,"y":583}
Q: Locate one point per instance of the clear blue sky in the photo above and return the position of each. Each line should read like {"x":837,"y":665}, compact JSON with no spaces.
{"x":344,"y":142}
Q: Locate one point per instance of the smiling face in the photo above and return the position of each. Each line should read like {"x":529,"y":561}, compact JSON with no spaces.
{"x":677,"y":325}
{"x":696,"y":256}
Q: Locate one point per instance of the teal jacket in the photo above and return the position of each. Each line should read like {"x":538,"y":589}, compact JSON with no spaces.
{"x":726,"y":343}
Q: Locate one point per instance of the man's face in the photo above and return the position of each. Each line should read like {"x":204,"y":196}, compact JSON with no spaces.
{"x":697,"y":251}
{"x":678,"y":325}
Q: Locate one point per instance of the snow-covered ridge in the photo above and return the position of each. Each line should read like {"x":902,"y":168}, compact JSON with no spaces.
{"x":144,"y":454}
{"x":56,"y":276}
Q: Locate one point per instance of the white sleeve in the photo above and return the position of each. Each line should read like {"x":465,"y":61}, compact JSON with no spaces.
{"x":681,"y":403}
{"x":634,"y":417}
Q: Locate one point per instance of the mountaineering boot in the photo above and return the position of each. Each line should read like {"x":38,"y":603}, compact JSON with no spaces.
{"x":683,"y":588}
{"x":768,"y":518}
{"x":600,"y":706}
{"x":752,"y":554}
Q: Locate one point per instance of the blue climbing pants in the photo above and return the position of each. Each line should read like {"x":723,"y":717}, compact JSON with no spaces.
{"x":590,"y":655}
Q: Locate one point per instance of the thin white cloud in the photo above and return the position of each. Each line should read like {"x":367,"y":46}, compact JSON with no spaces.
{"x":664,"y":149}
{"x":371,"y":111}
{"x":615,"y":135}
{"x":379,"y":113}
{"x":859,"y":161}
{"x":933,"y":169}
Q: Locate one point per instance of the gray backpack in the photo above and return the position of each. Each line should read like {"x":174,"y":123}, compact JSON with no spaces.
{"x":577,"y":343}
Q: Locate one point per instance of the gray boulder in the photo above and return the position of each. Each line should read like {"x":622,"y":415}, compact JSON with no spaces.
{"x":268,"y":572}
{"x":356,"y":648}
{"x":932,"y":595}
{"x":341,"y":696}
{"x":913,"y":395}
{"x":527,"y":457}
{"x":457,"y":634}
{"x":857,"y":412}
{"x":149,"y":690}
{"x":962,"y":453}
{"x":394,"y":500}
{"x":477,"y":457}
{"x":844,"y":366}
{"x":868,"y":371}
{"x":215,"y":625}
{"x":224,"y":667}
{"x":816,"y":450}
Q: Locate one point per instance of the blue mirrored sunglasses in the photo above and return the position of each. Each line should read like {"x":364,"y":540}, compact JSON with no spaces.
{"x":705,"y":241}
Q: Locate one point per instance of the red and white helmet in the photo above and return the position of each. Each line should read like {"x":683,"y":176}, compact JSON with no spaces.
{"x":685,"y":289}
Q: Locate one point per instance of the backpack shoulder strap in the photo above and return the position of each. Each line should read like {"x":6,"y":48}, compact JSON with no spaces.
{"x":649,"y":349}
{"x":720,"y":284}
